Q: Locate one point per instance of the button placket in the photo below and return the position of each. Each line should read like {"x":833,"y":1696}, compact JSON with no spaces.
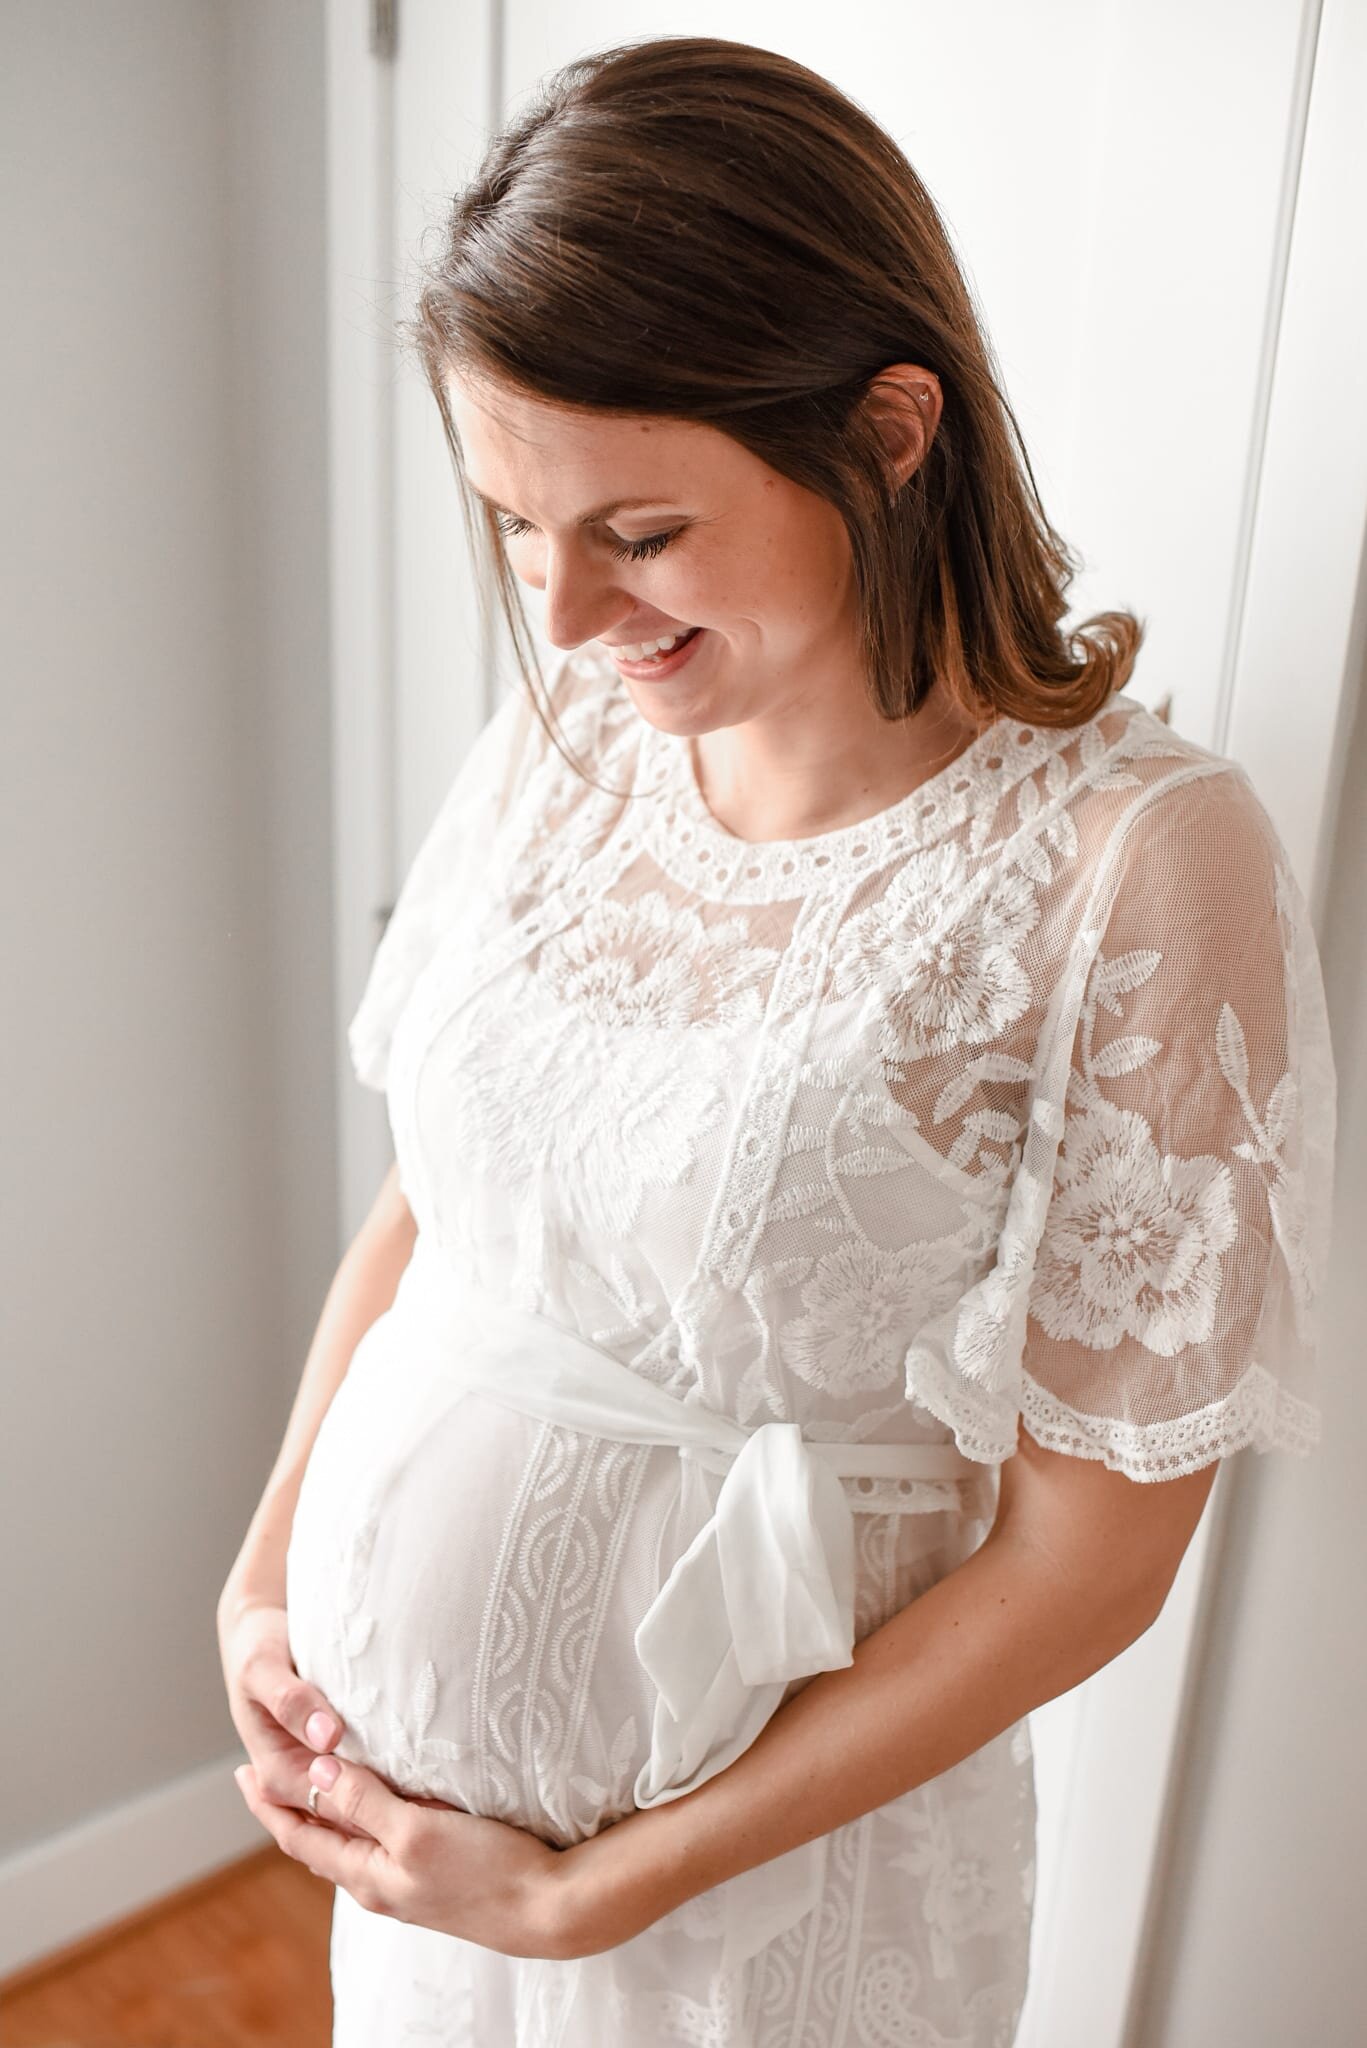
{"x":757,"y":1143}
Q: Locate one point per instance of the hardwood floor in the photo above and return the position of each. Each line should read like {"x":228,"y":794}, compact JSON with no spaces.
{"x":239,"y":1960}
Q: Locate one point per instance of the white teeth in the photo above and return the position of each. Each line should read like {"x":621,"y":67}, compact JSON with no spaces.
{"x":640,"y":650}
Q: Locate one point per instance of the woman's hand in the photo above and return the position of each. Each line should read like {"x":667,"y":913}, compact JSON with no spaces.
{"x":428,"y":1863}
{"x":284,"y":1722}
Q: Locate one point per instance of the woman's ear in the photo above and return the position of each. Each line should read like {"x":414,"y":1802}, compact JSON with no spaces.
{"x":904,"y":404}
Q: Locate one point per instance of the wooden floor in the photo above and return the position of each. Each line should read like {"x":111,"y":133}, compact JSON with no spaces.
{"x":240,"y":1958}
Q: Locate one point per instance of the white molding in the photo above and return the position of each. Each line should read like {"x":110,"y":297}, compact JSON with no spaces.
{"x":443,"y":80}
{"x":115,"y":1863}
{"x":411,"y":673}
{"x":1253,"y":496}
{"x":1293,"y":690}
{"x":360,"y":371}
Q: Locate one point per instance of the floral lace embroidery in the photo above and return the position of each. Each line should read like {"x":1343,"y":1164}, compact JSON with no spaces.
{"x":1134,"y":1244}
{"x":388,"y":1734}
{"x":861,"y":1304}
{"x":650,"y":963}
{"x":539,"y":1098}
{"x":950,"y":980}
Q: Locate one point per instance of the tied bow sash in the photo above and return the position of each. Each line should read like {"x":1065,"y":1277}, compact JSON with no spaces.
{"x":763,"y":1595}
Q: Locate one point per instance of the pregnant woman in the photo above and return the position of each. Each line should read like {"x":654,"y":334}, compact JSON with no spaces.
{"x":863,"y":1116}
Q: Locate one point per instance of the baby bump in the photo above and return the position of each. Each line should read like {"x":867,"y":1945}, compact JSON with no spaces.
{"x":464,"y":1583}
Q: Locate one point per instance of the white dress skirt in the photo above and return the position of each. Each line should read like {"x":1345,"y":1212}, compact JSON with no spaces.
{"x":1010,"y":1106}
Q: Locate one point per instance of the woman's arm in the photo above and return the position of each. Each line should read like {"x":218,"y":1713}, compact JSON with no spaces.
{"x":363,"y":1287}
{"x":1076,"y":1566}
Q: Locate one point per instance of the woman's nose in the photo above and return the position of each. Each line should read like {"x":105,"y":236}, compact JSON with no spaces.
{"x":581,"y":602}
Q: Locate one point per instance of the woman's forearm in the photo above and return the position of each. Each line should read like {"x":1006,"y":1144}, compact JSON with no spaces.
{"x":363,"y":1287}
{"x":994,"y":1639}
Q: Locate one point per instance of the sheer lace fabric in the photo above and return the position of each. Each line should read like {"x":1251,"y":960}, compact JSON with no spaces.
{"x":1012,"y":1104}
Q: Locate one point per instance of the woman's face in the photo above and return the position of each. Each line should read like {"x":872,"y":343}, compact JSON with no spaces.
{"x":720,"y":541}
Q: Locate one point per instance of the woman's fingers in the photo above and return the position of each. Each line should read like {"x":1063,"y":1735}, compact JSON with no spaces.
{"x":281,"y":1764}
{"x":300,"y":1708}
{"x":284,"y":1721}
{"x":351,"y":1860}
{"x":359,"y":1798}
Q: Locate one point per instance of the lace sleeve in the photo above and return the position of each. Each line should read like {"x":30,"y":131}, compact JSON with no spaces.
{"x":442,"y":869}
{"x":1172,"y":1297}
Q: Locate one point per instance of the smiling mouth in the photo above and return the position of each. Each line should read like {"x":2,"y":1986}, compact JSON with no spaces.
{"x":657,"y":648}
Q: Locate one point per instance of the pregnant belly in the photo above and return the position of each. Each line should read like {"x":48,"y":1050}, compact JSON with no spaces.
{"x":463,"y":1584}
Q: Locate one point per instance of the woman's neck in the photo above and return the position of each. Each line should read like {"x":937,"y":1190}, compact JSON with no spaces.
{"x":763,"y":782}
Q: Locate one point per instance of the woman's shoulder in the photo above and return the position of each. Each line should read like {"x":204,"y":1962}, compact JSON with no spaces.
{"x":1125,"y":745}
{"x":1152,"y":807}
{"x":1191,"y":812}
{"x":1194,"y":887}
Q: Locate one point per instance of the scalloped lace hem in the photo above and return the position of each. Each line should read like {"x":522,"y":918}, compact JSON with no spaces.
{"x":1257,"y":1412}
{"x":984,"y":1423}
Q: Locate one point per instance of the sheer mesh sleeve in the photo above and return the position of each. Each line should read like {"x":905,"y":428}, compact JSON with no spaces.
{"x":1173,"y":1292}
{"x":442,"y":869}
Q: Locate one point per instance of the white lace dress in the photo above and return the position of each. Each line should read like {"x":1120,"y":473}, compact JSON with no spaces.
{"x":1011,"y":1103}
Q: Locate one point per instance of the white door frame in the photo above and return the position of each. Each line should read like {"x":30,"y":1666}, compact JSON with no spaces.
{"x":411,"y":680}
{"x":360,"y":378}
{"x":1287,"y":702}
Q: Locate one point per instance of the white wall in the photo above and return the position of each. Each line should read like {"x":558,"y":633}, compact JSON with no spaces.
{"x":168,"y":1151}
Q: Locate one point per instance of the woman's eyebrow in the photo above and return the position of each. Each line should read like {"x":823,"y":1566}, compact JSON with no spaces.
{"x":585,"y":518}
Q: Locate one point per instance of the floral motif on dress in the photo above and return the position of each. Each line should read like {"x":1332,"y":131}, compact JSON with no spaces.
{"x":650,"y":962}
{"x":1135,"y":1239}
{"x":593,"y":1094}
{"x":604,"y":1119}
{"x":863,"y":1306}
{"x":954,"y":979}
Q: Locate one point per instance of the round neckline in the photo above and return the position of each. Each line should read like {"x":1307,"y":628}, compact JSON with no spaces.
{"x":693,"y":846}
{"x":924,"y":799}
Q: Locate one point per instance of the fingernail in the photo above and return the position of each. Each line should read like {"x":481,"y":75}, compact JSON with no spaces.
{"x":239,"y":1775}
{"x":325,"y":1771}
{"x":320,"y":1728}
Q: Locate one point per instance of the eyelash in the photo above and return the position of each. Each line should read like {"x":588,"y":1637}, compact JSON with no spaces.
{"x":633,"y":550}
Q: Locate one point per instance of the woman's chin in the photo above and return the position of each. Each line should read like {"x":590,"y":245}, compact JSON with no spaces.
{"x":684,"y":713}
{"x":680,"y":721}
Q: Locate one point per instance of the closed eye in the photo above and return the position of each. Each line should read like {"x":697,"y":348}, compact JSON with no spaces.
{"x":633,"y":550}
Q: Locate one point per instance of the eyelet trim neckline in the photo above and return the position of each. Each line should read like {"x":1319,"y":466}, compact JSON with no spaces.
{"x":694,"y":846}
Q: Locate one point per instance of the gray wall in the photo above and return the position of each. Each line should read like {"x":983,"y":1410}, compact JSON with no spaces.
{"x":168,"y":1153}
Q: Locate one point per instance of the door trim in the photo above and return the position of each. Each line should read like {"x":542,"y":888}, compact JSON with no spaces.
{"x":360,"y":374}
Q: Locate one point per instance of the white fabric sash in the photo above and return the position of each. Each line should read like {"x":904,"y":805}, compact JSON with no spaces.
{"x":763,"y":1595}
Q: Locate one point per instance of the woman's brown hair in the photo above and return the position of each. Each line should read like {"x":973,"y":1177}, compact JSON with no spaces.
{"x":705,"y":230}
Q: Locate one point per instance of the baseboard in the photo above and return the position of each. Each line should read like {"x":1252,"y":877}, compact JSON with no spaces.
{"x":59,"y":1890}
